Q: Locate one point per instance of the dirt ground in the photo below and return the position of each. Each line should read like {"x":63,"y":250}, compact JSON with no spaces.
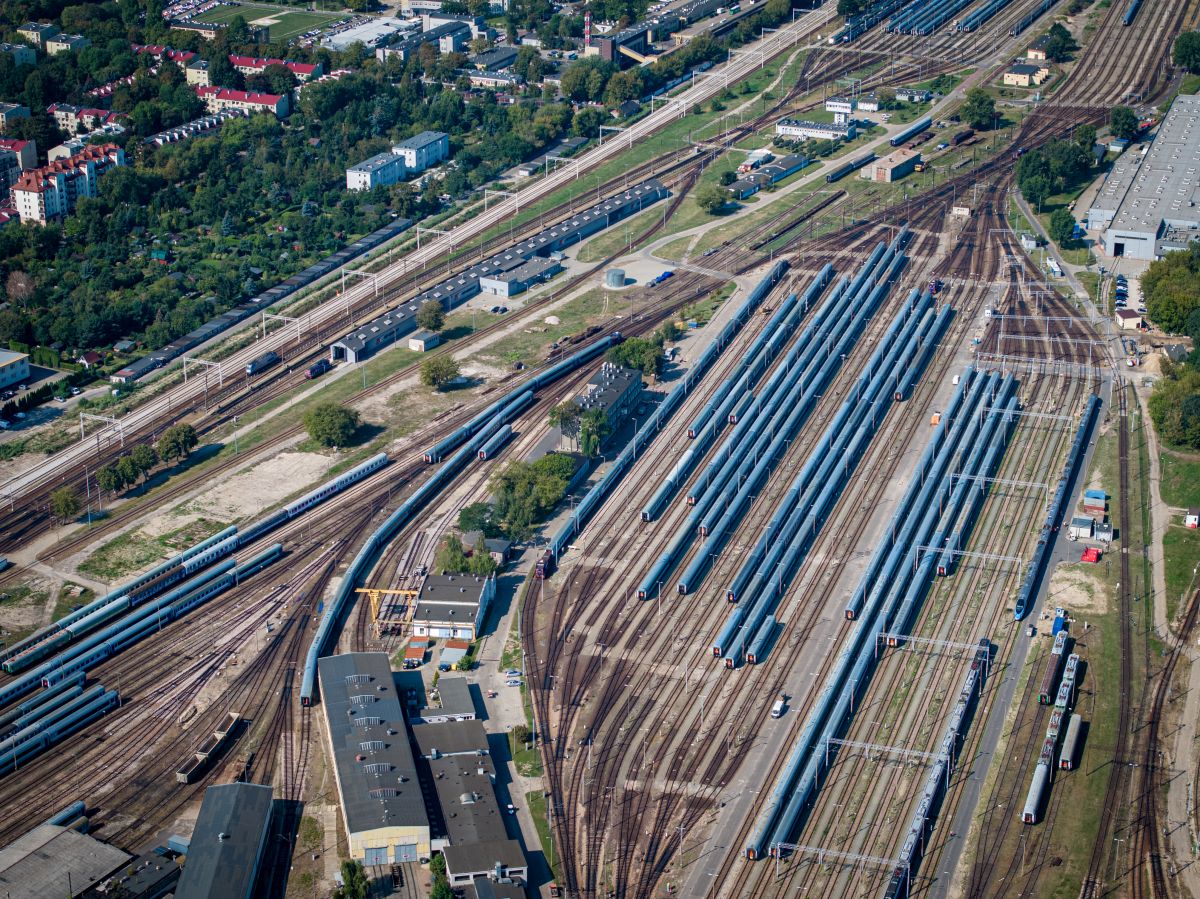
{"x":1078,"y":590}
{"x":246,"y":493}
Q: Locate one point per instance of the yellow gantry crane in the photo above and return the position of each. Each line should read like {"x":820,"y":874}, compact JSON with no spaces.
{"x":376,"y":594}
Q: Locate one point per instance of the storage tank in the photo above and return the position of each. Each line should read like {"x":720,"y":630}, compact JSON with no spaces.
{"x":615,"y":277}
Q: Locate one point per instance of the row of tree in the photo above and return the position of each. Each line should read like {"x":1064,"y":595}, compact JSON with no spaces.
{"x":176,"y":442}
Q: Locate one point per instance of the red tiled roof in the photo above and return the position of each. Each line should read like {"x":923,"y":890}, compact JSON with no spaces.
{"x":35,"y":180}
{"x":258,"y":62}
{"x":225,"y":93}
{"x":11,"y":143}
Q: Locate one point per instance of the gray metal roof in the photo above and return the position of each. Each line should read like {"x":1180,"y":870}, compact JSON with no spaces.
{"x":428,"y":138}
{"x":452,"y":588}
{"x":466,"y":791}
{"x":38,"y":863}
{"x":378,"y":161}
{"x":608,"y":386}
{"x":7,"y":357}
{"x":374,"y":764}
{"x":481,"y":858}
{"x":455,"y":696}
{"x":1146,"y":193}
{"x":227,"y":844}
{"x":482,"y":888}
{"x":450,"y":738}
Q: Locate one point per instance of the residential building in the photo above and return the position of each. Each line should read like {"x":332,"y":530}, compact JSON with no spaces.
{"x":892,"y":167}
{"x":197,"y":73}
{"x":22,"y":55}
{"x":256,"y":65}
{"x":14,"y":368}
{"x":796,"y":128}
{"x":259,"y":34}
{"x":160,"y":52}
{"x":10,"y":112}
{"x":50,"y":192}
{"x":373,"y":764}
{"x":66,"y":43}
{"x":424,"y":150}
{"x":1148,"y":202}
{"x":77,"y":144}
{"x":37,"y":33}
{"x":217,"y":99}
{"x":913,"y":94}
{"x":380,"y":170}
{"x":226,"y":848}
{"x":15,"y":157}
{"x":627,"y":109}
{"x":453,"y":605}
{"x":203,"y":125}
{"x":71,"y":119}
{"x":1022,"y":74}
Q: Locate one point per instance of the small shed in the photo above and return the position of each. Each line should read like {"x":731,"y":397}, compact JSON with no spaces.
{"x":1128,"y":320}
{"x":1081,"y":528}
{"x":1192,"y":518}
{"x":1104,"y":531}
{"x":423,"y":341}
{"x":1095,"y":501}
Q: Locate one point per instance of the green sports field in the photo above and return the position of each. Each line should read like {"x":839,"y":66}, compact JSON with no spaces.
{"x":285,"y":23}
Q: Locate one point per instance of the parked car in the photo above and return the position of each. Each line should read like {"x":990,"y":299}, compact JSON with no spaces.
{"x":511,"y":809}
{"x":75,"y":391}
{"x":512,"y":682}
{"x":512,"y":672}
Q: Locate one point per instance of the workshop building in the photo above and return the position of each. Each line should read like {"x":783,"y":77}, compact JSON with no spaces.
{"x":453,"y":605}
{"x":1148,"y":202}
{"x":519,"y":279}
{"x":1128,"y":320}
{"x":454,"y":703}
{"x":1024,"y":74}
{"x":382,"y":805}
{"x":56,"y":861}
{"x":500,"y":860}
{"x":892,"y":167}
{"x":226,"y":848}
{"x":800,"y":129}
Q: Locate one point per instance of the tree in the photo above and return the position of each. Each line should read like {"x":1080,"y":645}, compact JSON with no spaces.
{"x":1123,"y":123}
{"x":1085,"y":136}
{"x":525,"y":492}
{"x":451,"y":556}
{"x":19,"y":287}
{"x":1187,"y":51}
{"x":641,"y":353}
{"x":109,"y":478}
{"x":593,"y":428}
{"x":886,"y":97}
{"x":431,"y":316}
{"x":128,"y":471}
{"x":478,"y":517}
{"x":438,"y":372}
{"x":1062,"y":227}
{"x":979,"y":110}
{"x":64,"y":503}
{"x":330,"y":424}
{"x":481,"y":562}
{"x":1059,"y":43}
{"x":565,"y":417}
{"x":520,"y":733}
{"x":355,"y":884}
{"x":847,"y":8}
{"x":144,"y":458}
{"x":712,"y":198}
{"x":176,"y":442}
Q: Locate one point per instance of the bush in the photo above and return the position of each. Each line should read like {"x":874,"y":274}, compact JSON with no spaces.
{"x":438,"y":372}
{"x":330,"y":424}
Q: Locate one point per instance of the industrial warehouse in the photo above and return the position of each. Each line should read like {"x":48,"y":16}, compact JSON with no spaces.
{"x":1147,"y":205}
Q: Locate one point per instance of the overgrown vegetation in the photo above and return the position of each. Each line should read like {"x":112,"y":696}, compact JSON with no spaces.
{"x":526,"y":492}
{"x":1057,"y":166}
{"x":453,"y":558}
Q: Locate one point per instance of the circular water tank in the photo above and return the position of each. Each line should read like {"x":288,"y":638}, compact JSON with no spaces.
{"x":614,"y":277}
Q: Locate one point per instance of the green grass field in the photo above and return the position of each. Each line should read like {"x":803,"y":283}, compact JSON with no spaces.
{"x":288,"y":22}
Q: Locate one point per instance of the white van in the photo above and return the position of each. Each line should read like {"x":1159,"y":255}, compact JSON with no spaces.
{"x":777,"y":709}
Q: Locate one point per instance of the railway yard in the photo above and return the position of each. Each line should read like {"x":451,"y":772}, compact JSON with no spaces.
{"x":811,"y":621}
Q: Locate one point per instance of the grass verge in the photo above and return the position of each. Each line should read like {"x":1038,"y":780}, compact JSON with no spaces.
{"x":537,"y":808}
{"x":1180,"y":485}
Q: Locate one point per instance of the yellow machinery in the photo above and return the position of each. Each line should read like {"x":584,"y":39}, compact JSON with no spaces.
{"x":375,"y":595}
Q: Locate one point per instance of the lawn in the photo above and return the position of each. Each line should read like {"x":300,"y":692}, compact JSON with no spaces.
{"x":133,"y":551}
{"x":1181,"y":554}
{"x":1180,"y":485}
{"x":619,"y":236}
{"x":537,"y":808}
{"x":530,"y":344}
{"x":288,"y":22}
